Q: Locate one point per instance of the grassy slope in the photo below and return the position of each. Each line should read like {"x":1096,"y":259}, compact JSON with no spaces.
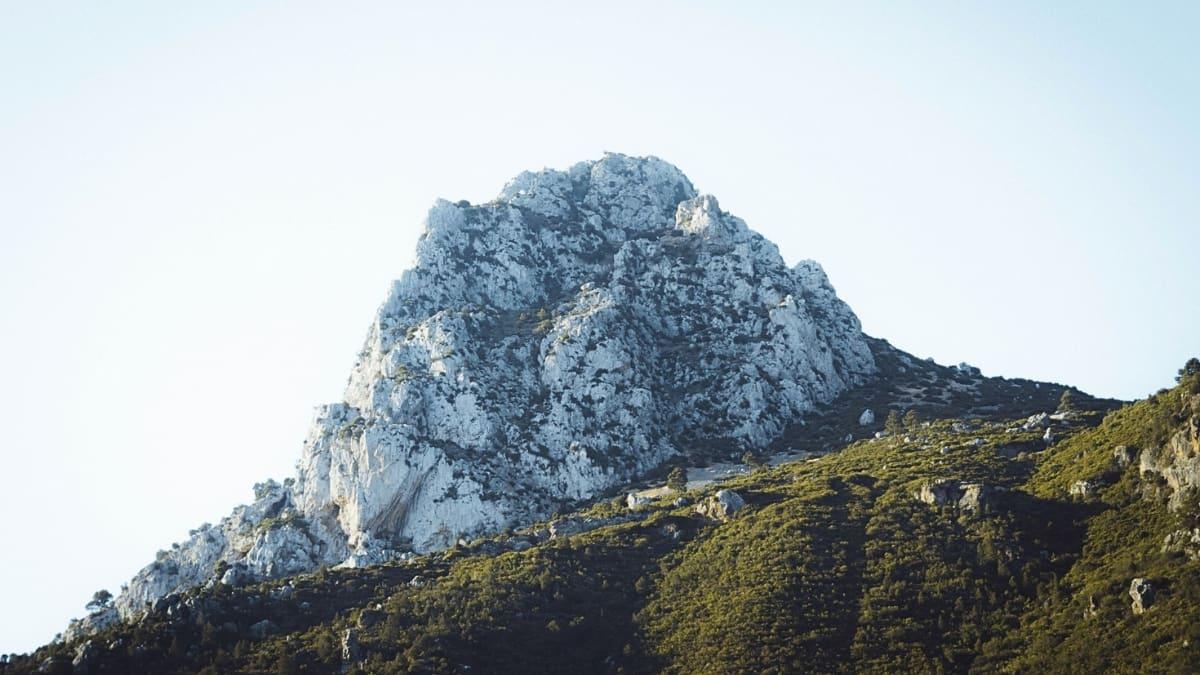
{"x":832,"y":567}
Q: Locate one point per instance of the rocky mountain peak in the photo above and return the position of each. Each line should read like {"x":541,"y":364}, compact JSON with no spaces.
{"x":578,"y":331}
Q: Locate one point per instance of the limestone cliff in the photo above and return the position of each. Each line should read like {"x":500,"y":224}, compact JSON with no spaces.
{"x":563,"y":339}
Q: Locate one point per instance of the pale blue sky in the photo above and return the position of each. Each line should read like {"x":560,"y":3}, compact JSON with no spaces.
{"x":202,"y":206}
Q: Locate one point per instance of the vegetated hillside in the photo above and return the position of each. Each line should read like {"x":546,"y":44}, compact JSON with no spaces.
{"x":953,"y":545}
{"x":584,"y":331}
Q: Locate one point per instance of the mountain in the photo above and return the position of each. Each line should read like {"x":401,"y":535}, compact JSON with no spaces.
{"x":489,"y":494}
{"x":564,"y":339}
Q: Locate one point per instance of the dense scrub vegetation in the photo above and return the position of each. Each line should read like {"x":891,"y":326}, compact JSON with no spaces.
{"x":833,"y":565}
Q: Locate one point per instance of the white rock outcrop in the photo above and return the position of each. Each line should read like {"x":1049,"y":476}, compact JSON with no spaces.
{"x":563,"y":339}
{"x":1084,"y":488}
{"x":1177,"y":462}
{"x":1142,"y":593}
{"x":968,"y":497}
{"x":721,"y":506}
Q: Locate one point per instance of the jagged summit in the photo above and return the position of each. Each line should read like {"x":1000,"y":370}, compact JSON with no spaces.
{"x":562,"y":340}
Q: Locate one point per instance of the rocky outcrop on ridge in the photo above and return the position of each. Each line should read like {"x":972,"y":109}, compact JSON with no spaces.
{"x":972,"y":497}
{"x":559,"y":341}
{"x":1177,"y":461}
{"x":721,"y":506}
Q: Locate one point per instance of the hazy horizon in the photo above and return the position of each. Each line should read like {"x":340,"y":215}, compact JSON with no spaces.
{"x":202,"y":208}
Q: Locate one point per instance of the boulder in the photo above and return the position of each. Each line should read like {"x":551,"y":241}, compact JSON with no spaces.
{"x":1035,"y":421}
{"x":939,"y":492}
{"x":1142,"y":592}
{"x":634,"y":501}
{"x":92,"y":623}
{"x":1123,"y":455}
{"x":1084,"y":488}
{"x":1048,"y":437}
{"x":976,"y":497}
{"x":1186,"y":542}
{"x":968,"y":369}
{"x":967,"y":497}
{"x":368,"y":551}
{"x":721,"y":506}
{"x":237,"y":575}
{"x":867,"y":418}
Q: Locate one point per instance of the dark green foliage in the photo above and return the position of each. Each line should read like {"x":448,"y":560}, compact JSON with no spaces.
{"x":100,"y":599}
{"x":1189,"y":369}
{"x":1066,"y":402}
{"x":892,"y":425}
{"x":677,"y":479}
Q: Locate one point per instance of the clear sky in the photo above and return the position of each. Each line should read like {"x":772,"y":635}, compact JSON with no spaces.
{"x":202,"y":204}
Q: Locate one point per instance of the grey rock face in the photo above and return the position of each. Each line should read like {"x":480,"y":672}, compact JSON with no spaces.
{"x":970,"y":497}
{"x":867,"y":418}
{"x":976,"y":497}
{"x":563,"y":339}
{"x":1084,"y":488}
{"x":1142,"y":592}
{"x":1186,"y":542}
{"x":1035,"y":421}
{"x":940,"y":492}
{"x":1123,"y":455}
{"x":94,"y":622}
{"x":1177,"y":462}
{"x":722,"y":505}
{"x":85,"y":657}
{"x":634,"y":501}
